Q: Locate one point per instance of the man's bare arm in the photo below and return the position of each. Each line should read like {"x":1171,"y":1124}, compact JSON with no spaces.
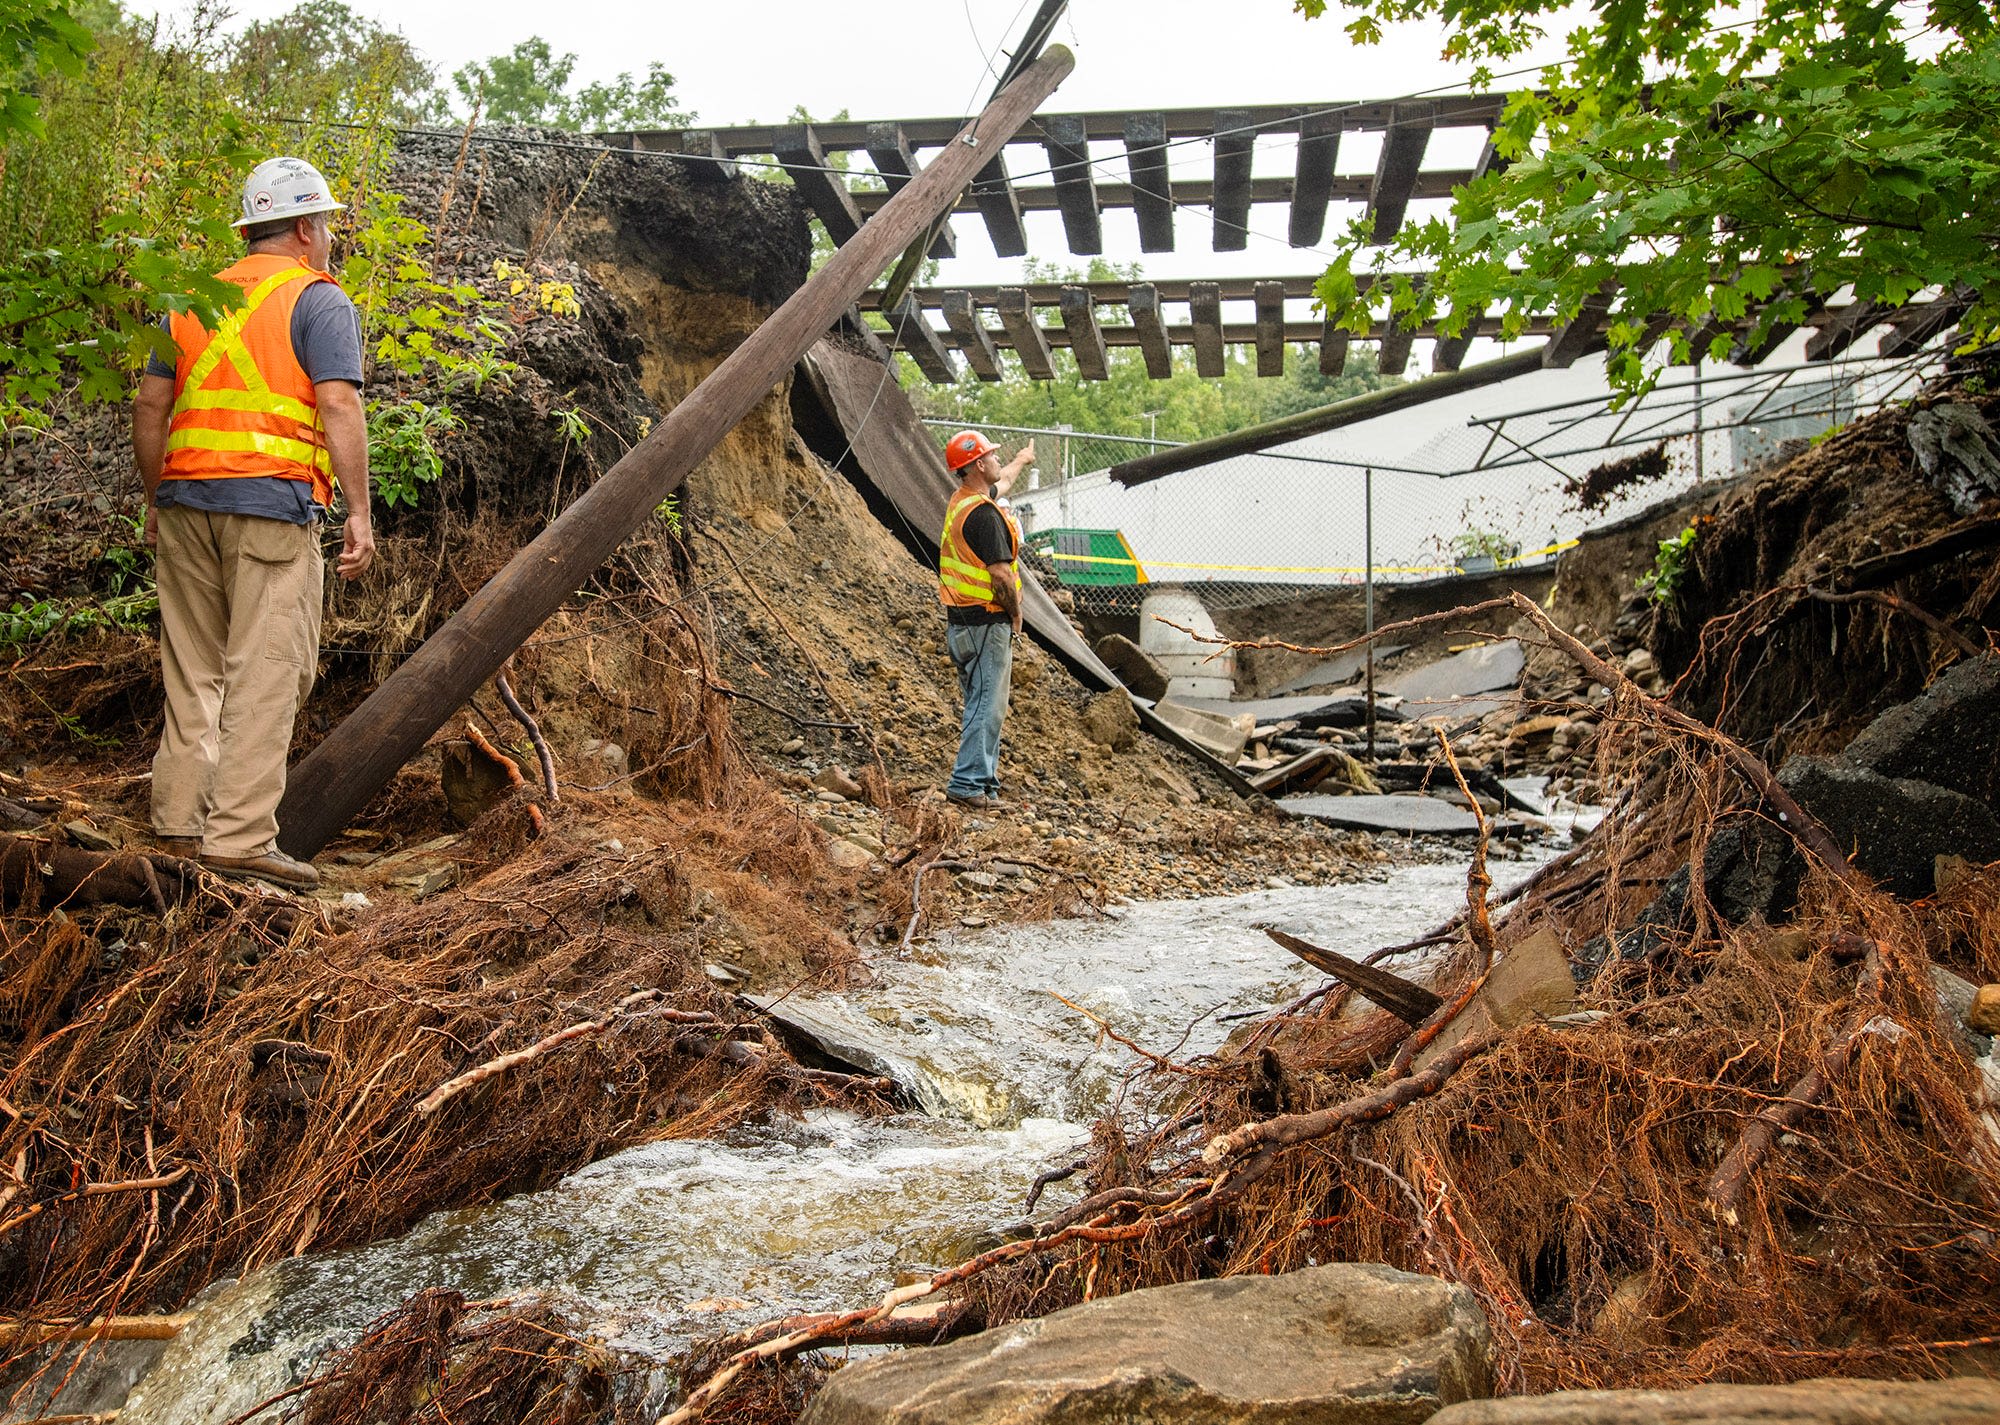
{"x":1004,"y":592}
{"x":152,"y":415}
{"x":347,"y":442}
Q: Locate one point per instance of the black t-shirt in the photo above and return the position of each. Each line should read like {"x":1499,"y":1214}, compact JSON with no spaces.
{"x":986,"y":535}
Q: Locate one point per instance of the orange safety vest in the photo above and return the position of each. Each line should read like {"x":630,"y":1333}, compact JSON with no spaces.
{"x":243,"y":405}
{"x":963,"y":581}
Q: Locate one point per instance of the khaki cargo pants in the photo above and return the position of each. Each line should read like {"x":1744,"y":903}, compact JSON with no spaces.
{"x":240,"y":604}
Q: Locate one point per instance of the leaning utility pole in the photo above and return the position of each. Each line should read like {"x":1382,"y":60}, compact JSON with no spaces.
{"x":360,"y":755}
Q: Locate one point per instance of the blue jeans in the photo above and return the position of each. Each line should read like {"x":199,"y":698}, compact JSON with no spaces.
{"x":983,"y":653}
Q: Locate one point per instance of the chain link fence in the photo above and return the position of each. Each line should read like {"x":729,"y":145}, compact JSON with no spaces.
{"x":1492,"y":480}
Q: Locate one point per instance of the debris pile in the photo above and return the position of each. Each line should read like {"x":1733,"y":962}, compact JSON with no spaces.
{"x":1713,"y":1095}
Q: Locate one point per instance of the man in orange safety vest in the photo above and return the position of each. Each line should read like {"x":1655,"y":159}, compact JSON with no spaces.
{"x":979,"y":584}
{"x":241,"y":442}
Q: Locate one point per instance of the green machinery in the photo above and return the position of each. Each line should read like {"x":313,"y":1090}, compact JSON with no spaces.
{"x":1088,"y":558}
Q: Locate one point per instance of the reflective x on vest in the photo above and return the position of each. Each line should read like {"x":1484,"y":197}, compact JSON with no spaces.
{"x":240,"y":431}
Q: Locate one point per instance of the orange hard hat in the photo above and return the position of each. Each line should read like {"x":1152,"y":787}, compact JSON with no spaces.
{"x":965,"y":447}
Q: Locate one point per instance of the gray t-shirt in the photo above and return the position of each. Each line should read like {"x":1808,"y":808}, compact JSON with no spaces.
{"x":326,"y":336}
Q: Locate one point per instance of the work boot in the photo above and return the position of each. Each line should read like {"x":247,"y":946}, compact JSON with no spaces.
{"x":273,"y":866}
{"x":977,"y":802}
{"x":188,"y":848}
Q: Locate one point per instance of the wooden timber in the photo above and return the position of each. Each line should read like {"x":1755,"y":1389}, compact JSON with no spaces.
{"x":1164,"y":193}
{"x":1234,"y":141}
{"x":1392,"y":357}
{"x":1843,"y":331}
{"x":974,"y":340}
{"x":1075,"y":184}
{"x":798,"y":148}
{"x":1332,"y":349}
{"x":1031,"y":344}
{"x":909,"y":331}
{"x":1448,"y":352}
{"x":1754,"y":353}
{"x":1410,"y":1002}
{"x":1150,"y":194}
{"x":1270,"y":299}
{"x":1174,"y":125}
{"x":1396,"y":171}
{"x":1086,"y":341}
{"x":889,"y":150}
{"x":1205,"y":313}
{"x":993,"y":195}
{"x":357,"y":759}
{"x":1914,"y":326}
{"x":1142,"y":300}
{"x":1582,"y":334}
{"x":711,"y":162}
{"x":1312,"y":177}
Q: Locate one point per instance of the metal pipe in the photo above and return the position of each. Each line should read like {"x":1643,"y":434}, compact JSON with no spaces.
{"x":1368,"y":585}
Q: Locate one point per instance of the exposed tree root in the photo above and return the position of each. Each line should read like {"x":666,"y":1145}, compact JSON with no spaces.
{"x":505,"y":688}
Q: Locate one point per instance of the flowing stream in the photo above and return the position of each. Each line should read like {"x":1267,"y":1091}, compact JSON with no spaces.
{"x":662,"y":1242}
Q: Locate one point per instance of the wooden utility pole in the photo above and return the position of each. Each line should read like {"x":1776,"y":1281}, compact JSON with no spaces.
{"x":360,"y":755}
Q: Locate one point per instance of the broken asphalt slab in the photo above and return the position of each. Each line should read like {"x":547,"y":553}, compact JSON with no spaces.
{"x":1338,"y":671}
{"x":1409,"y":815}
{"x":1308,"y":710}
{"x":1452,"y":686}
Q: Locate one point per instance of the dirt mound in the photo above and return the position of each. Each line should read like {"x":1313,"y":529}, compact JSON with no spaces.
{"x":1793,"y":618}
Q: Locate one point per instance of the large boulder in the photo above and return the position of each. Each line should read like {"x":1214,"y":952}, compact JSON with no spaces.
{"x":1893,"y":828}
{"x":1813,"y":1402}
{"x":1946,"y":735}
{"x":1323,"y":1346}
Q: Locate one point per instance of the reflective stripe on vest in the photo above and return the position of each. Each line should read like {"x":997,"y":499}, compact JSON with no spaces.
{"x":964,"y":582}
{"x":269,"y":424}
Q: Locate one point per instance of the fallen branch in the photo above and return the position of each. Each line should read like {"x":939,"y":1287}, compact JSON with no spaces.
{"x":1409,"y":1002}
{"x":505,"y":689}
{"x":587,"y":1029}
{"x":1290,"y":1128}
{"x":1478,"y":924}
{"x":917,"y":896}
{"x":1050,"y":1178}
{"x":786,"y":713}
{"x":36,"y":1209}
{"x":48,"y":873}
{"x":1158,"y":1060}
{"x":1478,"y":880}
{"x":1753,"y":1145}
{"x":903,"y":1328}
{"x":103,"y":1328}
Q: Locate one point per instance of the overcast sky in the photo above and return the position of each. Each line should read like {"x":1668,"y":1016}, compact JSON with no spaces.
{"x":905,"y":58}
{"x":921,"y":58}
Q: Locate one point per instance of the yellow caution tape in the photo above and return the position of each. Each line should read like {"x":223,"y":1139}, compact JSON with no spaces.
{"x":1309,"y":568}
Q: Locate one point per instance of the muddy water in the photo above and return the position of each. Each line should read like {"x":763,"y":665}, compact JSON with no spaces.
{"x":673,"y":1239}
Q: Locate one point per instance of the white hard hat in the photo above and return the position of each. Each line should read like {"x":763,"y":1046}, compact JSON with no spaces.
{"x":284,"y":188}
